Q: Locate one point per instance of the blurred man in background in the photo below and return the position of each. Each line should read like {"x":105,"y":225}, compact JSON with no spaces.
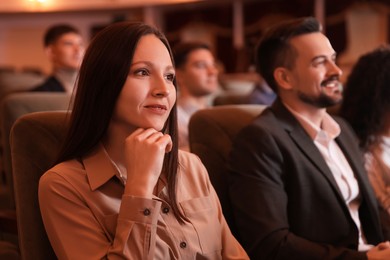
{"x":64,"y":47}
{"x":197,"y":79}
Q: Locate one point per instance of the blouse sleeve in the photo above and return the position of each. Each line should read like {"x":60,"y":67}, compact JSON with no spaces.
{"x":378,"y":182}
{"x":231,"y":248}
{"x":75,"y":233}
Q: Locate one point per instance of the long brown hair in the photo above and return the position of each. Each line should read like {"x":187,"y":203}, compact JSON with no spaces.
{"x":366,"y":103}
{"x":102,"y":75}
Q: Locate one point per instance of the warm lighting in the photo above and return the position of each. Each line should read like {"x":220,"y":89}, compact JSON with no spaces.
{"x":40,"y":5}
{"x":36,"y":4}
{"x":10,"y":6}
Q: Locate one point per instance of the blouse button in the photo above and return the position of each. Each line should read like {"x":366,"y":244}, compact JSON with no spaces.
{"x":183,"y":244}
{"x":165,"y":210}
{"x":146,"y":212}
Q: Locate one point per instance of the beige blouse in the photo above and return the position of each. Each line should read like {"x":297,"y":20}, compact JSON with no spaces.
{"x":87,"y":217}
{"x":377,"y":163}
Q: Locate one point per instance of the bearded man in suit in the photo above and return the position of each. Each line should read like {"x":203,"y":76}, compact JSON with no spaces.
{"x":297,"y":181}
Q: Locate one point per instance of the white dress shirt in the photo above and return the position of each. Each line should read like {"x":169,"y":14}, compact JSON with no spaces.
{"x":324,"y":140}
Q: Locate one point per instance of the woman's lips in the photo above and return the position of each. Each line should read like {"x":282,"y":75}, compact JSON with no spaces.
{"x":160,"y":109}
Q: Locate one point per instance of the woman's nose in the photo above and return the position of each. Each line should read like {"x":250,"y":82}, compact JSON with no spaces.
{"x":162,"y":88}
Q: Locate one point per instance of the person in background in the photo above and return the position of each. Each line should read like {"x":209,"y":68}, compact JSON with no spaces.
{"x":297,"y":183}
{"x":64,"y":47}
{"x":366,"y":106}
{"x":121,"y":188}
{"x":197,"y":79}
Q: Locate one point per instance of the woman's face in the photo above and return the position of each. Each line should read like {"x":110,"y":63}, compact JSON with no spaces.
{"x":148,"y":94}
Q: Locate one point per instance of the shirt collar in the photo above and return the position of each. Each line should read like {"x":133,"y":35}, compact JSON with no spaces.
{"x":98,"y":167}
{"x":100,"y":170}
{"x":328,"y":125}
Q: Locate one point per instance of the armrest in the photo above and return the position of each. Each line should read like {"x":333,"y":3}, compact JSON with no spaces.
{"x":8,"y":221}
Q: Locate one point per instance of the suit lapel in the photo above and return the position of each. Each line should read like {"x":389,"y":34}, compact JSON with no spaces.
{"x":352,"y":156}
{"x":369,"y":215}
{"x":370,"y":218}
{"x":305,"y":143}
{"x":354,"y":160}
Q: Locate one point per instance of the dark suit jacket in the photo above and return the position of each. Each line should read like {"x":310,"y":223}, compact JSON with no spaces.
{"x":50,"y":85}
{"x":286,"y":201}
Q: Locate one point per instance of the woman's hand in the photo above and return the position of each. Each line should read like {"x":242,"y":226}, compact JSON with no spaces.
{"x":379,"y":252}
{"x":144,"y":151}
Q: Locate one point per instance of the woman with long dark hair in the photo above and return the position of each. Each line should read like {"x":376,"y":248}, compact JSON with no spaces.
{"x":366,"y":107}
{"x":120,"y":188}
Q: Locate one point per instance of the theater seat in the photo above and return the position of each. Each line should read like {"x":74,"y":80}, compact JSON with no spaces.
{"x":11,"y":108}
{"x":211,"y":132}
{"x":8,"y":251}
{"x":35,"y":142}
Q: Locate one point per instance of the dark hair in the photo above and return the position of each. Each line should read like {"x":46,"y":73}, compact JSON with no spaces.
{"x":274,"y":49}
{"x":366,"y":101}
{"x":183,"y":49}
{"x":56,"y":31}
{"x":103,"y":72}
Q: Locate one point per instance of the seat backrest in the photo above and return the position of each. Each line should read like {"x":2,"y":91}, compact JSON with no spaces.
{"x":35,"y":141}
{"x":15,"y":105}
{"x":211,"y":132}
{"x":13,"y":81}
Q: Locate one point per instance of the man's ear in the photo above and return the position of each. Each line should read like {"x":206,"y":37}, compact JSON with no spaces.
{"x":282,"y":77}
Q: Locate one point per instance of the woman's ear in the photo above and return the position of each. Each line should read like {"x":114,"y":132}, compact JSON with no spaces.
{"x":283,"y":78}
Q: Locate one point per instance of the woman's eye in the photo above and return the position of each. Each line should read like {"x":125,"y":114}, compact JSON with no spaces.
{"x":142,"y":72}
{"x":170,"y":77}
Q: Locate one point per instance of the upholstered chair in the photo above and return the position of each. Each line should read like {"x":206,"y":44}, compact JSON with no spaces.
{"x":35,"y":142}
{"x":211,"y":132}
{"x":11,"y":108}
{"x":8,"y":244}
{"x":9,"y":251}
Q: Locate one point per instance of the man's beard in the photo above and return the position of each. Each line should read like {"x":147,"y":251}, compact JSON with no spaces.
{"x":321,"y":101}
